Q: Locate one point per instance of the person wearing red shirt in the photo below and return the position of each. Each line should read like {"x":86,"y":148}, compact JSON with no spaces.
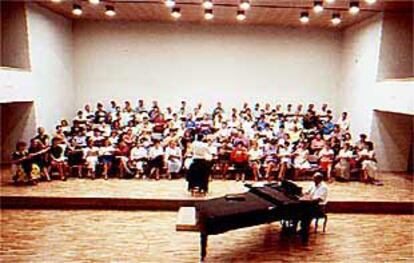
{"x":240,"y":158}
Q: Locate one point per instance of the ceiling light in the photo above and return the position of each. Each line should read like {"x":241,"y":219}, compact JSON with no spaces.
{"x":56,"y":1}
{"x":304,"y":17}
{"x":176,"y":12}
{"x":94,"y":2}
{"x":110,"y":10}
{"x":370,"y":2}
{"x":170,"y":3}
{"x":208,"y":4}
{"x":329,"y":1}
{"x":354,"y":7}
{"x":208,"y":14}
{"x":318,"y":6}
{"x":244,"y":4}
{"x":241,"y":15}
{"x":336,"y":19}
{"x":77,"y":10}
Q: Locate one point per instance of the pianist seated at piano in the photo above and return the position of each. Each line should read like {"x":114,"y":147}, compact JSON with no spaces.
{"x":317,"y":191}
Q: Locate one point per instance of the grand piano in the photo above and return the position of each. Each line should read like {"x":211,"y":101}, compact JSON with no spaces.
{"x":261,"y":204}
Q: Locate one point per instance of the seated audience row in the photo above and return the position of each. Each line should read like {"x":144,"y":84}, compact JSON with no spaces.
{"x":258,"y":143}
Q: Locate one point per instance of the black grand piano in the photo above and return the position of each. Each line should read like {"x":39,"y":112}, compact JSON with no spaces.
{"x":262,"y":204}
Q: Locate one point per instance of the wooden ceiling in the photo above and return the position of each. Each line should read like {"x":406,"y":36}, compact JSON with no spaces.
{"x":262,"y":12}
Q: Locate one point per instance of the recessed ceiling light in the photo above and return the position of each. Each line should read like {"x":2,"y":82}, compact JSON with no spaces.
{"x":241,"y":15}
{"x":94,"y":2}
{"x":170,"y":3}
{"x":176,"y":12}
{"x":304,"y":17}
{"x":208,"y":4}
{"x":208,"y":14}
{"x":77,"y":10}
{"x":336,"y":19}
{"x":318,"y":6}
{"x":354,"y":7}
{"x":110,"y":10}
{"x":244,"y":4}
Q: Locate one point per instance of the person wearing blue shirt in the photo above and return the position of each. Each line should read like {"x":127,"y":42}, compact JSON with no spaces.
{"x":328,"y":127}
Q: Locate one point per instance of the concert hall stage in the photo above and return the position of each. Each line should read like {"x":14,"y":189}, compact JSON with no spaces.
{"x":394,"y":197}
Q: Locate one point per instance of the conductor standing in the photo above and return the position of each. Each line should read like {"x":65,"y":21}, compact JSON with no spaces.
{"x":199,"y":172}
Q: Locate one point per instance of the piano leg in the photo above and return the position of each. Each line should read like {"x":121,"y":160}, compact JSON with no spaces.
{"x":304,"y":229}
{"x":203,"y":244}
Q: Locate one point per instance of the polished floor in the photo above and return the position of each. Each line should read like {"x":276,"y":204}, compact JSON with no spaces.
{"x":122,"y":236}
{"x":397,"y":187}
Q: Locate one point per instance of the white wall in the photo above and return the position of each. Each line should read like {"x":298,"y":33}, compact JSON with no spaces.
{"x":360,"y":91}
{"x":170,"y":62}
{"x":49,"y":83}
{"x":361,"y":45}
{"x":17,"y":122}
{"x":361,"y":94}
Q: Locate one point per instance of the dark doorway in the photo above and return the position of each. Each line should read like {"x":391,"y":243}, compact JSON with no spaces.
{"x":392,"y":134}
{"x":17,"y":123}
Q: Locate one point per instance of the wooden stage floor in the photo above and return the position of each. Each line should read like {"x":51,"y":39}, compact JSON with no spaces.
{"x":397,"y":187}
{"x":142,"y":236}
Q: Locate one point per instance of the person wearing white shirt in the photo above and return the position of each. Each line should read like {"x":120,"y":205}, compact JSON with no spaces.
{"x":368,"y":162}
{"x":233,"y":123}
{"x":90,"y":154}
{"x":106,"y":154}
{"x":343,"y":167}
{"x":344,"y":122}
{"x":255,"y":157}
{"x":212,"y":150}
{"x":224,"y":131}
{"x":318,"y":190}
{"x":285,"y":156}
{"x":301,"y":162}
{"x":139,"y":155}
{"x":173,"y":158}
{"x":201,"y":150}
{"x":156,"y":159}
{"x":199,"y":172}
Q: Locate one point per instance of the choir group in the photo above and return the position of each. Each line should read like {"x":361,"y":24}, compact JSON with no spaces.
{"x":255,"y":142}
